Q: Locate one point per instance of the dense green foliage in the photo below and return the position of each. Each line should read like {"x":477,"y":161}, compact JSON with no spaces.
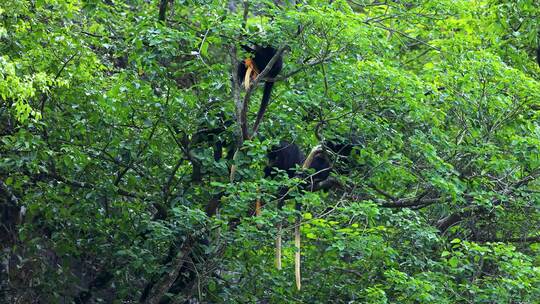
{"x":107,"y":166}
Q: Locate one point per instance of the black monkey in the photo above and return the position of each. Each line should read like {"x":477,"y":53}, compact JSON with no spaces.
{"x":285,"y":156}
{"x":325,"y":158}
{"x":320,"y":165}
{"x":261,"y":58}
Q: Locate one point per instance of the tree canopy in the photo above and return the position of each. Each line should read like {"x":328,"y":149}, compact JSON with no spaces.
{"x":126,"y":177}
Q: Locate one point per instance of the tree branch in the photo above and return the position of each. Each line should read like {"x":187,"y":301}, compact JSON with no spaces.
{"x":164,"y":284}
{"x":162,"y":10}
{"x":527,"y":239}
{"x":10,"y":196}
{"x":454,"y":218}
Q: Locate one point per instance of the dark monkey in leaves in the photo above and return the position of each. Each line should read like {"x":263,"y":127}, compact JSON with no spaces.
{"x":250,"y":68}
{"x":287,"y":157}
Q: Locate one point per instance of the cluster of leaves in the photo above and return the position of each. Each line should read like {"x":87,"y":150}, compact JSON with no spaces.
{"x":114,"y":113}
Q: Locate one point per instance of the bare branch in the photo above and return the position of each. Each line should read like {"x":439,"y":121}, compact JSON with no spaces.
{"x":164,"y":284}
{"x":162,"y":10}
{"x":391,"y":30}
{"x":525,"y":239}
{"x":236,"y":94}
{"x":11,"y":197}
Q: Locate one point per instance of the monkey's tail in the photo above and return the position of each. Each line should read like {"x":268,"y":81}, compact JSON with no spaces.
{"x":264,"y":104}
{"x":278,"y":246}
{"x":297,"y":254}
